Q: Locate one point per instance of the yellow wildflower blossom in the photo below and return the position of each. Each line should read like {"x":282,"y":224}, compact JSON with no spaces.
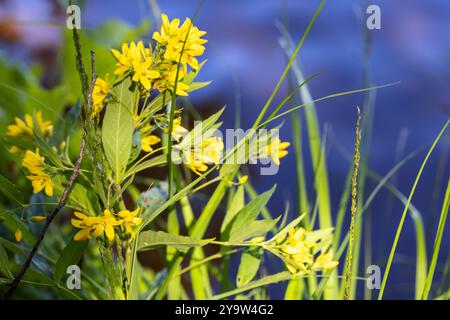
{"x":14,"y":149}
{"x":325,"y":261}
{"x":24,"y":129}
{"x":39,"y":178}
{"x":243,"y":179}
{"x":298,"y":248}
{"x":99,"y":93}
{"x":94,"y":227}
{"x":125,"y":58}
{"x":276,"y":149}
{"x":143,"y":73}
{"x":130,"y":220}
{"x":18,"y":235}
{"x":168,"y":74}
{"x":169,"y":30}
{"x":148,"y":141}
{"x":138,"y":60}
{"x":40,"y":182}
{"x":172,"y":37}
{"x":178,"y":131}
{"x":212,"y":149}
{"x":198,"y":168}
{"x":210,"y":152}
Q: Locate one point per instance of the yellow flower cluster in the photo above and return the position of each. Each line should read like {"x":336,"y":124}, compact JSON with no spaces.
{"x":94,"y":227}
{"x":147,"y":139}
{"x":158,"y":70}
{"x":277,"y":150}
{"x":24,"y":129}
{"x":99,"y":93}
{"x":210,"y":152}
{"x":298,"y":250}
{"x":178,"y":131}
{"x":39,"y":178}
{"x":184,"y":41}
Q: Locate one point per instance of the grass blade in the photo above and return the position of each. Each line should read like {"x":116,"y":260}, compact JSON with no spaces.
{"x":437,"y":243}
{"x":402,"y":220}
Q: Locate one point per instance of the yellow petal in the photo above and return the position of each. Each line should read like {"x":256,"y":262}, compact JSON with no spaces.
{"x":109,"y":230}
{"x":83,"y":234}
{"x":98,"y":230}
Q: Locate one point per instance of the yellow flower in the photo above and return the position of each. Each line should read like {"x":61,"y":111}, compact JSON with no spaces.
{"x":24,"y":129}
{"x":138,"y":60}
{"x":130,"y":220}
{"x":14,"y":149}
{"x":18,"y":235}
{"x":325,"y":261}
{"x":172,"y":37}
{"x":125,"y":58}
{"x":95,"y":226}
{"x":168,"y":75}
{"x":169,"y":30}
{"x":33,"y":162}
{"x":243,"y":179}
{"x":178,"y":131}
{"x":148,"y":141}
{"x":298,"y":250}
{"x":210,"y":152}
{"x":40,"y":182}
{"x":276,"y":149}
{"x":39,"y":178}
{"x":99,"y":93}
{"x":143,"y":73}
{"x":198,"y":168}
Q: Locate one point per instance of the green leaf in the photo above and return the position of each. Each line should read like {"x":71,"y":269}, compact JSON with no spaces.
{"x":13,"y":223}
{"x":274,"y":278}
{"x":10,"y":190}
{"x":4,"y":263}
{"x":156,"y":161}
{"x":71,"y":255}
{"x":202,"y":131}
{"x":249,"y":213}
{"x":117,"y":131}
{"x":252,"y":229}
{"x":150,"y":239}
{"x":248,"y":267}
{"x":198,"y":85}
{"x":236,"y":204}
{"x":81,"y":198}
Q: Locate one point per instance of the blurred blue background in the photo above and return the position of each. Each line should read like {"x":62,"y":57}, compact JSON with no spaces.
{"x":243,"y":53}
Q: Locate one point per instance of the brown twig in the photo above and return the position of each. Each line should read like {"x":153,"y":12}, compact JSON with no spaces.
{"x":62,"y":201}
{"x":49,"y":220}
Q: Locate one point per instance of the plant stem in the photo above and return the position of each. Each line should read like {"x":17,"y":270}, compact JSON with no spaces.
{"x":354,"y":208}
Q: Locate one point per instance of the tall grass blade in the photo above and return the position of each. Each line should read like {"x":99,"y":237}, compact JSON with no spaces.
{"x":402,"y":220}
{"x":437,"y":242}
{"x":421,"y":248}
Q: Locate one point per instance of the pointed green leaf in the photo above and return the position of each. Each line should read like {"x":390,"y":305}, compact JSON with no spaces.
{"x":150,"y":239}
{"x":117,"y":131}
